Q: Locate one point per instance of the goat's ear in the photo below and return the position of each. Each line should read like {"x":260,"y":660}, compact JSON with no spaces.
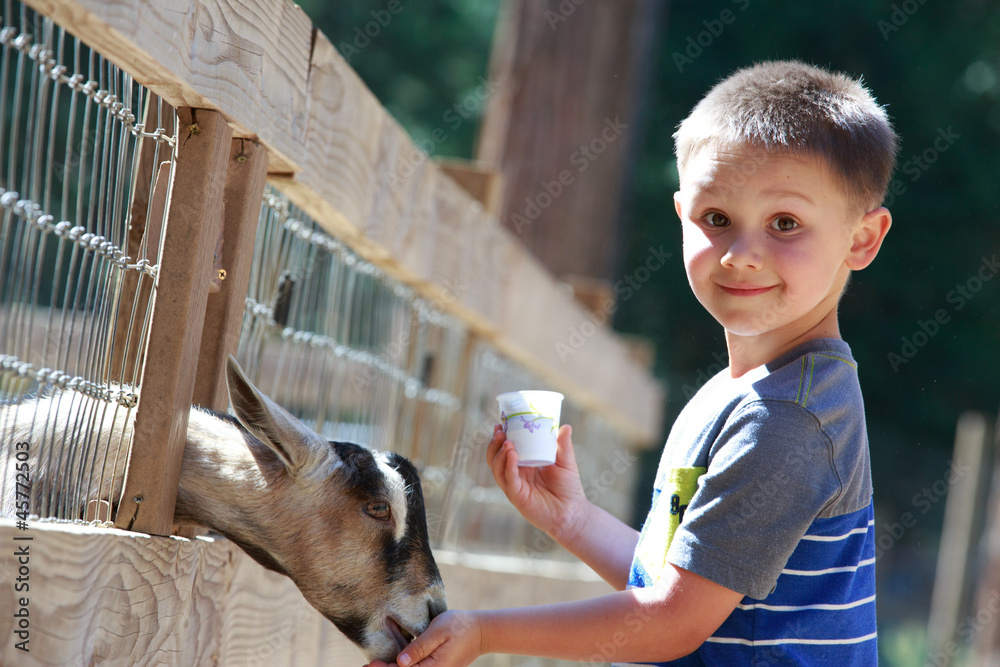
{"x":293,"y":444}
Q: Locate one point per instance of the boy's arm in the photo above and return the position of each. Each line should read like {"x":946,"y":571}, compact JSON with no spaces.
{"x":658,"y":624}
{"x":605,"y":543}
{"x":552,"y":499}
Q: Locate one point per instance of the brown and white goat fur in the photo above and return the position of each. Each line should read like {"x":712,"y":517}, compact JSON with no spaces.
{"x":346,"y":524}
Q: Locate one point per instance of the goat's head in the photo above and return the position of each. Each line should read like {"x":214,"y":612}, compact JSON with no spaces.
{"x":345,"y":523}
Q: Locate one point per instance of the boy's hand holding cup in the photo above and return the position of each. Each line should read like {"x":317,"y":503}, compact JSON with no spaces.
{"x":530,"y":420}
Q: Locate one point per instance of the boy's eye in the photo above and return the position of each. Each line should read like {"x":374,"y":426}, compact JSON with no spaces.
{"x":715,"y":219}
{"x":784,"y":224}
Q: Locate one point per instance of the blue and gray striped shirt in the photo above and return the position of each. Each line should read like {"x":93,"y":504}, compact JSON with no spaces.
{"x":764,"y":487}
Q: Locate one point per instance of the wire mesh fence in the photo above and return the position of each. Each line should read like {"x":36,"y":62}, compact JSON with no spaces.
{"x":475,"y":515}
{"x":355,"y":355}
{"x":86,"y":158}
{"x":74,"y":291}
{"x":360,"y":357}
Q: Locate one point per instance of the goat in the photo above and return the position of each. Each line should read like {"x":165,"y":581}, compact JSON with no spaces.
{"x":346,"y":524}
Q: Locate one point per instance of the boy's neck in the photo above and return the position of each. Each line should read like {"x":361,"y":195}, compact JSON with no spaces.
{"x":749,"y":352}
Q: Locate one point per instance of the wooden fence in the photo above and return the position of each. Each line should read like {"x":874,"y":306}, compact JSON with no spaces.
{"x":268,"y":112}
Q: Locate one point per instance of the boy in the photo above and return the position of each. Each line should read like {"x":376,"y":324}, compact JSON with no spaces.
{"x":758,"y":548}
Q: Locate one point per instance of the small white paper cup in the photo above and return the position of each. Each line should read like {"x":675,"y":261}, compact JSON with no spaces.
{"x":530,"y":419}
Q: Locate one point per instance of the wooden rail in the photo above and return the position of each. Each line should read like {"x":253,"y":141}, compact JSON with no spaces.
{"x":335,"y":151}
{"x":102,"y":596}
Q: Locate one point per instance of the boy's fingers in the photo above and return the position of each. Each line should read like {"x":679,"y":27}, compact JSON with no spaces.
{"x":495,"y":442}
{"x":417,"y":650}
{"x":511,"y":474}
{"x":503,"y":464}
{"x":494,"y":453}
{"x":564,"y":442}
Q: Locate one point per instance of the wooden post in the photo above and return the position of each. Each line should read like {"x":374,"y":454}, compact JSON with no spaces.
{"x":191,"y":231}
{"x":951,"y":578}
{"x":245,"y":181}
{"x":987,"y":641}
{"x":363,"y":180}
{"x":483,"y":182}
{"x":428,"y":371}
{"x":562,"y":124}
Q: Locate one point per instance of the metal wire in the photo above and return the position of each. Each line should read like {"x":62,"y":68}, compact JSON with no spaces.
{"x":72,"y":325}
{"x":353,"y":353}
{"x":327,"y":334}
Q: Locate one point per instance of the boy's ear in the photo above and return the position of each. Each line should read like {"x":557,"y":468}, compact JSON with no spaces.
{"x":868,"y":237}
{"x":677,"y":204}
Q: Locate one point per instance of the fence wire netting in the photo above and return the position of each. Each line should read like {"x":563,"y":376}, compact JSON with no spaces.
{"x":360,"y":357}
{"x":79,"y":140}
{"x":86,"y":162}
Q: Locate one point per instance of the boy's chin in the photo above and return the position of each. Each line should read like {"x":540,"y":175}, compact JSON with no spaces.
{"x":749,"y":327}
{"x":745,"y":333}
{"x":749,"y":324}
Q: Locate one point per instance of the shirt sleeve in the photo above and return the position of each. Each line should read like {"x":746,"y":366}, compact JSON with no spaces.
{"x":770,"y":473}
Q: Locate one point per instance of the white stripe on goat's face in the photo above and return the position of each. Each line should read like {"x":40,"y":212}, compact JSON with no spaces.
{"x":383,"y":587}
{"x":350,"y":527}
{"x":397,"y":492}
{"x":346,"y":524}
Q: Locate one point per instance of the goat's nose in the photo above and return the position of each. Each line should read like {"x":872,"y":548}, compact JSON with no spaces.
{"x":436,"y":606}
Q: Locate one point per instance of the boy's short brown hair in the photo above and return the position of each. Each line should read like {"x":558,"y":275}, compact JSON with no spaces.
{"x":793,"y":107}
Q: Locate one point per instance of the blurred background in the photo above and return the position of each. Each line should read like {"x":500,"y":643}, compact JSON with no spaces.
{"x":575,"y":103}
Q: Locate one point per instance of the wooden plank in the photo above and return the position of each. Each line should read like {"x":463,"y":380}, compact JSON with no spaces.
{"x":194,"y":218}
{"x":246,"y":58}
{"x":987,"y":640}
{"x":361,"y":177}
{"x":105,"y":596}
{"x":102,"y":596}
{"x":559,"y":124}
{"x":951,"y":580}
{"x":245,"y":179}
{"x":483,"y":182}
{"x":343,"y":136}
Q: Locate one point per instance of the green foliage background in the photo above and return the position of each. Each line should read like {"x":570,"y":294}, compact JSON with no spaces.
{"x":935,"y":65}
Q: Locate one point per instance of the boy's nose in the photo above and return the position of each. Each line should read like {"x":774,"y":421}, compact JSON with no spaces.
{"x":743,"y":253}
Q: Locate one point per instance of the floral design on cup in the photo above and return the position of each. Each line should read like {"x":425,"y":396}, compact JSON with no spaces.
{"x":525,"y":414}
{"x":530,"y":419}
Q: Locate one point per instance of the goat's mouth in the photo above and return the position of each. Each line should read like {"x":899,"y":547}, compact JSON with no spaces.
{"x":399,"y":634}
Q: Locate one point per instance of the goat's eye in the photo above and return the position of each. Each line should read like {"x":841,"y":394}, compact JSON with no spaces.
{"x":378,"y":510}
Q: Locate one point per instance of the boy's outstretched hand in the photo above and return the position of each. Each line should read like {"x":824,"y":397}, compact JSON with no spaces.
{"x":551,"y":498}
{"x":453,"y":639}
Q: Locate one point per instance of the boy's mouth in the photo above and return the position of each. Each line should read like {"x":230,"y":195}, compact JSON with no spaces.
{"x":745,"y":290}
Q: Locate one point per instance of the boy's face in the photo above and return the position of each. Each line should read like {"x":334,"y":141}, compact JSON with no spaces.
{"x":767,"y":239}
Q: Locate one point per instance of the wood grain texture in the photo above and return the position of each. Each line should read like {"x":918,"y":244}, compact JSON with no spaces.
{"x":245,"y":178}
{"x":482,"y":182}
{"x":559,"y":124}
{"x":102,"y":596}
{"x":190,"y":234}
{"x":247,"y":58}
{"x":105,"y":596}
{"x":350,"y":166}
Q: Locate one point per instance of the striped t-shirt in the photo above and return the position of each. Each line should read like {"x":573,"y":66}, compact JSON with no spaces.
{"x":764,"y":487}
